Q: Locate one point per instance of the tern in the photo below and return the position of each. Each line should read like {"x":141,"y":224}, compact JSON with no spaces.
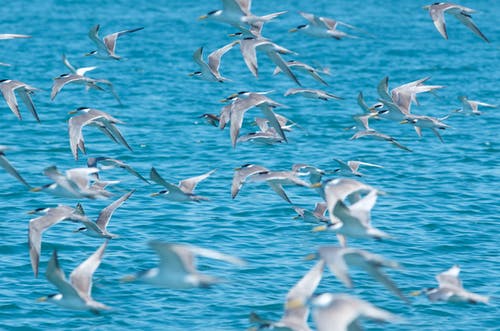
{"x":241,"y":174}
{"x":97,"y":229}
{"x":341,"y":312}
{"x":249,"y":46}
{"x":304,"y":68}
{"x":473,"y":106}
{"x":75,"y":294}
{"x":210,"y":71}
{"x":241,"y":103}
{"x":181,"y":192}
{"x":461,"y":13}
{"x":352,"y":166}
{"x":177,"y":266}
{"x":451,"y":289}
{"x":78,"y":76}
{"x":419,"y":122}
{"x":339,"y":259}
{"x":106,"y":46}
{"x":317,"y":215}
{"x":75,"y":183}
{"x":322,"y":27}
{"x":312,"y":94}
{"x":9,"y":86}
{"x":295,"y":318}
{"x":102,"y":120}
{"x":39,"y":224}
{"x":237,"y":13}
{"x":276,"y":180}
{"x":113,"y":163}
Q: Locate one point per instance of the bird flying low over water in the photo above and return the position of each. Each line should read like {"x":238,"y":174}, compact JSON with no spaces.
{"x":451,"y":289}
{"x":312,"y":93}
{"x":472,"y":106}
{"x":39,"y":224}
{"x":339,"y":259}
{"x":322,"y":27}
{"x":177,"y":266}
{"x":295,"y":317}
{"x":97,"y":229}
{"x":106,"y":46}
{"x":78,"y":76}
{"x":209,"y":71}
{"x":103,"y":121}
{"x":237,"y":13}
{"x":8,"y":87}
{"x":342,"y":312}
{"x":108,"y":162}
{"x":181,"y":192}
{"x":75,"y":294}
{"x":461,"y":13}
{"x":304,"y":68}
{"x":75,"y":183}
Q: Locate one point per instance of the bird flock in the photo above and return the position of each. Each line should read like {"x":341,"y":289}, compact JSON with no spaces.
{"x":344,"y":202}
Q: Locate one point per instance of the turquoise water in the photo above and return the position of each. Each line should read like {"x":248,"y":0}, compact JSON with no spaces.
{"x":441,"y":207}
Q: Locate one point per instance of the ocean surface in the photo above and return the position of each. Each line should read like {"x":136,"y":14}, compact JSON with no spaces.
{"x":441,"y":206}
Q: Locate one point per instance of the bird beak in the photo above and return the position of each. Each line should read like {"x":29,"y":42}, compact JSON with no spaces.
{"x":235,"y":34}
{"x":35,"y":189}
{"x":72,"y":112}
{"x":294,"y":304}
{"x":404,"y":122}
{"x":310,"y":257}
{"x":319,"y":228}
{"x":426,"y":7}
{"x":128,"y":279}
{"x":416,"y":293}
{"x":42,"y":299}
{"x":154,"y":194}
{"x":315,"y":185}
{"x":293,"y":30}
{"x":202,"y":17}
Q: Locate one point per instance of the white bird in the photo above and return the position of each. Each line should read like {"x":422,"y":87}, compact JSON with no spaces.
{"x":322,"y":27}
{"x":312,"y":93}
{"x":77,"y":76}
{"x":4,"y":163}
{"x":304,"y":68}
{"x":451,"y":289}
{"x":461,"y":13}
{"x":398,"y":101}
{"x":340,"y":259}
{"x":237,"y":13}
{"x":379,"y":136}
{"x":341,"y":312}
{"x":9,"y":86}
{"x":349,"y":210}
{"x":276,"y":180}
{"x":177,"y":266}
{"x":98,"y":229}
{"x":295,"y":318}
{"x":210,"y":71}
{"x":92,"y":162}
{"x":241,"y":174}
{"x":249,"y":47}
{"x":75,"y":294}
{"x":352,"y":166}
{"x":420,"y":121}
{"x":473,"y":106}
{"x":102,"y":120}
{"x":181,"y":192}
{"x":75,"y":183}
{"x":106,"y":46}
{"x":241,"y":103}
{"x":39,"y":224}
{"x":317,"y":215}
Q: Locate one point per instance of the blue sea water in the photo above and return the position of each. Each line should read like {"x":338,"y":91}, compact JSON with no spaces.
{"x":441,"y":205}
